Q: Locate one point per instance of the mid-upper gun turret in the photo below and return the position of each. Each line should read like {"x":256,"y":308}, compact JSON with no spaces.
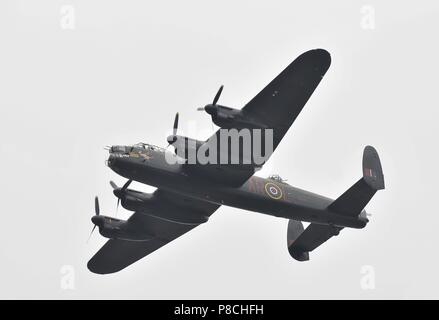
{"x":277,"y":178}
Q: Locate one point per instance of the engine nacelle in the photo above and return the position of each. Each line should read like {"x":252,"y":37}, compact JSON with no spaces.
{"x":151,"y":204}
{"x":136,"y":201}
{"x":119,"y":229}
{"x":228,"y":118}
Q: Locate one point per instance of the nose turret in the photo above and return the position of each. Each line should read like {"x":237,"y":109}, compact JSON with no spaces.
{"x":112,"y":161}
{"x":116,"y":152}
{"x":118,"y":149}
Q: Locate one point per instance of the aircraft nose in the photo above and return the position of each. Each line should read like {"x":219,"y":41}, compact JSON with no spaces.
{"x":113,"y":161}
{"x":110,"y":160}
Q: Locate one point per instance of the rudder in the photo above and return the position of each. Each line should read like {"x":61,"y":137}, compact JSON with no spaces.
{"x":353,"y":201}
{"x":372,"y":170}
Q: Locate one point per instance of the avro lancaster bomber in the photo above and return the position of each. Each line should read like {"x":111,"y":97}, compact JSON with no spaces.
{"x":189,"y":192}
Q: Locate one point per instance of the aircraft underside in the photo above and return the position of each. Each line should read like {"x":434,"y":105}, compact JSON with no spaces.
{"x":189,"y":192}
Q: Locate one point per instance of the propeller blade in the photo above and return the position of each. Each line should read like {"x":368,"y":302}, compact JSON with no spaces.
{"x":113,"y":185}
{"x":175,"y":124}
{"x":91,"y":233}
{"x":217,"y":96}
{"x":200,"y":109}
{"x":125,"y":186}
{"x":120,"y":193}
{"x":96,"y":205}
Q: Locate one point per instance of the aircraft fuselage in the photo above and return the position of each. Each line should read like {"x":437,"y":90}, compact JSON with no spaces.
{"x":267,"y":196}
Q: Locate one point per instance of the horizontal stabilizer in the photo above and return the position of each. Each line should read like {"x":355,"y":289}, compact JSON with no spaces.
{"x":353,"y":201}
{"x":301,"y":242}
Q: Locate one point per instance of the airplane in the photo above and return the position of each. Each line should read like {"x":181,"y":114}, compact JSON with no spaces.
{"x":188,"y":194}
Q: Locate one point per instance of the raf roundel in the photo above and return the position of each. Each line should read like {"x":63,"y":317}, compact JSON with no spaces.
{"x":273,"y":191}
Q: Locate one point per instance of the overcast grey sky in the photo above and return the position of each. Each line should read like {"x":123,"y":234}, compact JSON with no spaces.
{"x":126,"y":67}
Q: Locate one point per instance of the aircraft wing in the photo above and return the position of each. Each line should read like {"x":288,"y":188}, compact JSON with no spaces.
{"x":276,"y":107}
{"x":280,"y":102}
{"x":117,"y":254}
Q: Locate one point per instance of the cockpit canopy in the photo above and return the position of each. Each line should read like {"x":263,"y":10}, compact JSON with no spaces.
{"x":149,"y":146}
{"x":140,"y":145}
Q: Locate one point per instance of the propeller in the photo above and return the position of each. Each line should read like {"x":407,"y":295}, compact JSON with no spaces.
{"x":96,"y":214}
{"x":217,"y":96}
{"x":126,"y":185}
{"x":174,"y":131}
{"x":113,"y":185}
{"x":119,"y":192}
{"x":172,"y":138}
{"x":97,"y":205}
{"x":209,"y":108}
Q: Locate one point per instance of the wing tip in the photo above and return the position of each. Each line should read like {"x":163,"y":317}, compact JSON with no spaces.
{"x":97,"y":269}
{"x":319,"y":58}
{"x":323,"y":55}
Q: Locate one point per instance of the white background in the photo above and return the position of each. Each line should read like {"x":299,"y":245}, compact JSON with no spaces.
{"x":119,"y":77}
